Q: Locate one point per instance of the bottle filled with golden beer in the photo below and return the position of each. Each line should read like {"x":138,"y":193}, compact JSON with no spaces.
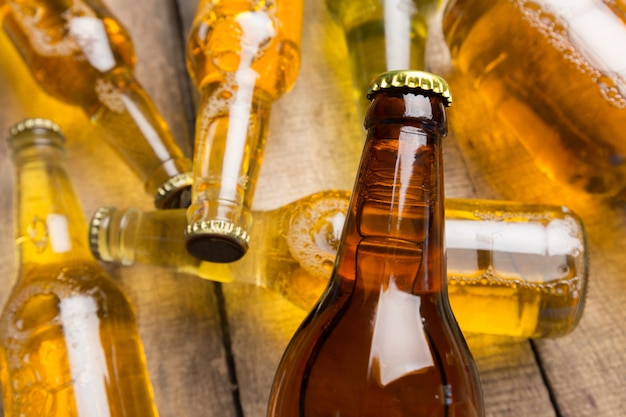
{"x":242,"y":56}
{"x":79,"y":53}
{"x":382,"y":340}
{"x":513,"y":269}
{"x":553,"y":77}
{"x":69,"y":344}
{"x":382,"y":35}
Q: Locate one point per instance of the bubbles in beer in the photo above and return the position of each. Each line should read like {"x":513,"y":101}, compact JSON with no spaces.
{"x":558,"y":32}
{"x":109,"y":96}
{"x":314,"y":235}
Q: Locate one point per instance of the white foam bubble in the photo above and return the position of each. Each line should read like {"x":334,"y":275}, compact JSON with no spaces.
{"x":589,"y":35}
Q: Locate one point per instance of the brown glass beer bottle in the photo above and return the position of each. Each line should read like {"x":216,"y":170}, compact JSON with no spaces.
{"x":382,"y":340}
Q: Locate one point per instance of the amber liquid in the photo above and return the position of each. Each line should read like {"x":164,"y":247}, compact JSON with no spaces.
{"x":382,"y":36}
{"x":219,"y":45}
{"x":425,"y":376}
{"x":70,"y":347}
{"x":531,"y":289}
{"x":549,"y":306}
{"x":82,"y":56}
{"x":553,"y":79}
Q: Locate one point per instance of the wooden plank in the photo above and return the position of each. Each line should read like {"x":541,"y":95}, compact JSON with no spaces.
{"x":178,"y":315}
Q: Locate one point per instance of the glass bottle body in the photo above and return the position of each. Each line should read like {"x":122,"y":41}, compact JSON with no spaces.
{"x":292,"y":248}
{"x":382,"y":339}
{"x":69,"y":344}
{"x":513,"y":269}
{"x":543,"y":64}
{"x":242,"y":56}
{"x":382,"y":35}
{"x":80,"y":54}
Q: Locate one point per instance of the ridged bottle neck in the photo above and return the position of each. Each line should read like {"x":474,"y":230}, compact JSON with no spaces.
{"x":50,"y":225}
{"x":397,"y":209}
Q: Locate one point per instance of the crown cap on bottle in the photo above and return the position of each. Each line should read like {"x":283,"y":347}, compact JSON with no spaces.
{"x":216,"y":241}
{"x":175,"y":192}
{"x":95,"y":226}
{"x":35,"y":131}
{"x":409,"y":79}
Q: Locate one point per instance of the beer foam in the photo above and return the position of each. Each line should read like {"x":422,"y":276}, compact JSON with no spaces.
{"x":109,"y":96}
{"x":314,"y":234}
{"x":39,"y":37}
{"x":587,"y":32}
{"x":491,"y":278}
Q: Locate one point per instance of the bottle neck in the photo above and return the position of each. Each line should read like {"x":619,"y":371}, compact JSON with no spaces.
{"x":230,"y":140}
{"x":382,"y":35}
{"x":133,"y":126}
{"x":50,"y":225}
{"x":76,"y":57}
{"x":396,"y":215}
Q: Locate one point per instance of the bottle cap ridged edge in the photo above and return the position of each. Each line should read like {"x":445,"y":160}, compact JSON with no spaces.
{"x":422,"y":80}
{"x":216,"y":240}
{"x":95,"y":225}
{"x":218,"y":227}
{"x":31,"y":124}
{"x":172,"y":186}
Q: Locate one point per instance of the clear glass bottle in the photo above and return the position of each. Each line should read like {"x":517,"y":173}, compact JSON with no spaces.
{"x":79,"y":53}
{"x":513,"y":269}
{"x":382,"y":340}
{"x":553,"y":77}
{"x":382,"y":35}
{"x":69,"y":344}
{"x":242,"y":56}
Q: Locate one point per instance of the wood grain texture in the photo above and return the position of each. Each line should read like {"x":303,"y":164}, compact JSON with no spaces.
{"x":314,"y":144}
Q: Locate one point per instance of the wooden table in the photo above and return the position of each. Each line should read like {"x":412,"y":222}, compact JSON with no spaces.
{"x":212,"y":349}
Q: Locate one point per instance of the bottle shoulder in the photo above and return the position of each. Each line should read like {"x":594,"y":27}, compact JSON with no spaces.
{"x":378,"y":348}
{"x":42,"y":294}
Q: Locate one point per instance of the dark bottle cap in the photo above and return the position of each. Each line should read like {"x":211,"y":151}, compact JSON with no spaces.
{"x":409,"y":79}
{"x":175,"y":192}
{"x":35,"y":131}
{"x":216,"y":241}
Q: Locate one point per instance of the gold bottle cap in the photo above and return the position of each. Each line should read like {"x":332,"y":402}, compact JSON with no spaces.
{"x":216,"y":241}
{"x":175,"y":192}
{"x":409,"y":79}
{"x":95,"y":226}
{"x":41,"y":131}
